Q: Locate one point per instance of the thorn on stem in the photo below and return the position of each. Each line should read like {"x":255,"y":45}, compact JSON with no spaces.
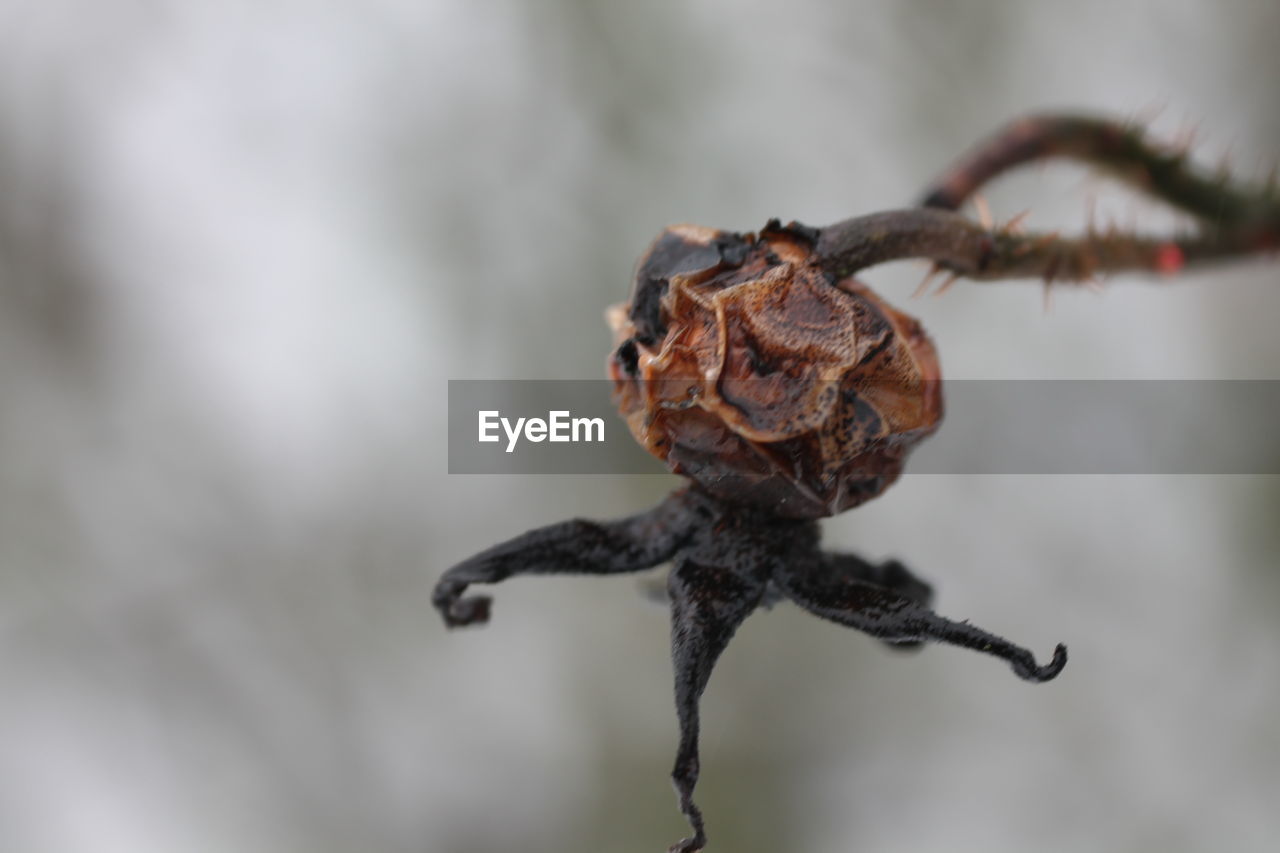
{"x":1014,"y":225}
{"x":983,"y":210}
{"x":923,"y":287}
{"x":947,"y":282}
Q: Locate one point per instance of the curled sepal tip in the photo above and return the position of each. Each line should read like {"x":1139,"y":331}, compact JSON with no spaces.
{"x":970,"y":637}
{"x":1026,"y":669}
{"x":457,"y":611}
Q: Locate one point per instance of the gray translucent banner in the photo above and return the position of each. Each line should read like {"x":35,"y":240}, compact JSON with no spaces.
{"x":990,"y":427}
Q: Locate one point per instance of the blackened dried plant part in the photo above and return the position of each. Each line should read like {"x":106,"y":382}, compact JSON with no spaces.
{"x":786,"y":391}
{"x":726,"y":559}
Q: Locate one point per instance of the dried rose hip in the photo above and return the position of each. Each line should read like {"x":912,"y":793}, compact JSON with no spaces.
{"x":741,"y":363}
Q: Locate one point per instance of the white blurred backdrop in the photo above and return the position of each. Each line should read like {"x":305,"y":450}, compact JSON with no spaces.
{"x":244,"y":245}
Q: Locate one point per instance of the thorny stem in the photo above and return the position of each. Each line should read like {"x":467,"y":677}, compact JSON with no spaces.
{"x":1234,"y":221}
{"x":1121,"y":150}
{"x":987,"y":254}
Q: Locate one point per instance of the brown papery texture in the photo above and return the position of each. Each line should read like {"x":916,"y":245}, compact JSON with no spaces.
{"x":745,"y":366}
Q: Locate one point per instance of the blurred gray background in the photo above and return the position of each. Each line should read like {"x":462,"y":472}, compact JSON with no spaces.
{"x":244,"y":245}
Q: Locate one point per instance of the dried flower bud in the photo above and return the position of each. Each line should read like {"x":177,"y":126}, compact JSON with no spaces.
{"x":744,"y":366}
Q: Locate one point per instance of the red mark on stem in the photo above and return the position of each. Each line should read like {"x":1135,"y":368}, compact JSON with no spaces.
{"x":1169,"y":259}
